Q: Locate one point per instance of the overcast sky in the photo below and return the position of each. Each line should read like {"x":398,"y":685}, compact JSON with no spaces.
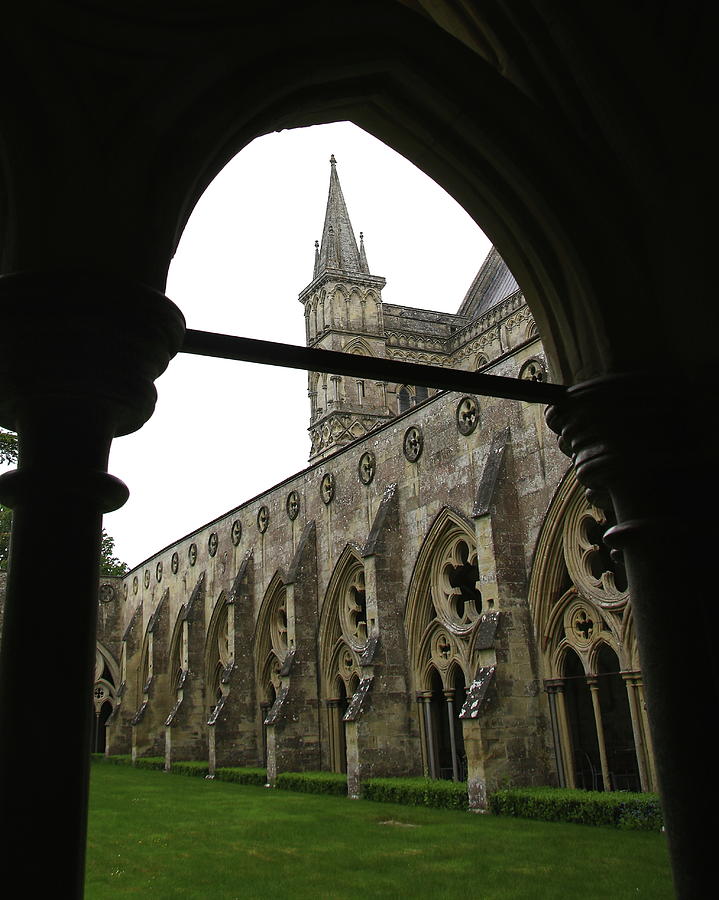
{"x":225,"y":431}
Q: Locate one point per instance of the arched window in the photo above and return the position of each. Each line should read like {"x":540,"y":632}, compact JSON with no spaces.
{"x":580,"y":605}
{"x":403,"y":400}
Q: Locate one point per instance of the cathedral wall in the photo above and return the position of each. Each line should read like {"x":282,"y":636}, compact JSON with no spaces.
{"x":446,"y":473}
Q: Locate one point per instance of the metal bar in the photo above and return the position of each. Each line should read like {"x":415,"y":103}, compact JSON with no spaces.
{"x":225,"y":346}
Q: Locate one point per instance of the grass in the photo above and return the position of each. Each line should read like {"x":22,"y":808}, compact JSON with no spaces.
{"x":152,"y":835}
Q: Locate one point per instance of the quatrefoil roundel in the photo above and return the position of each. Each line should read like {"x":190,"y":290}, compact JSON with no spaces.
{"x":366,"y":468}
{"x":236,"y":532}
{"x":327,"y":488}
{"x":175,"y":562}
{"x":413,"y":443}
{"x":467,"y":415}
{"x":192,"y":554}
{"x":293,"y":505}
{"x":263,"y":519}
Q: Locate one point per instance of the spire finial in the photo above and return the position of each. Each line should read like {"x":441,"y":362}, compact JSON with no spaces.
{"x":333,"y":161}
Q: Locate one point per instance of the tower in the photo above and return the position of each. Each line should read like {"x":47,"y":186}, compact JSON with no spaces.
{"x":343,"y":311}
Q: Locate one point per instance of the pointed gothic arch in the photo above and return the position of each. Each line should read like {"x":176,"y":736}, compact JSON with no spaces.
{"x":270,"y":642}
{"x":442,"y":612}
{"x":581,"y":610}
{"x":219,"y":649}
{"x":104,"y":693}
{"x":344,"y":630}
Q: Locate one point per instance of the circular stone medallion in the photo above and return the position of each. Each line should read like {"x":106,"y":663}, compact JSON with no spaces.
{"x":366,"y":467}
{"x":293,"y":505}
{"x":158,"y":572}
{"x":212,"y":543}
{"x":413,"y":443}
{"x":192,"y":554}
{"x":135,"y":584}
{"x":467,"y":415}
{"x":263,"y":519}
{"x":147,"y":578}
{"x":327,"y":488}
{"x":175,"y":562}
{"x":236,"y":532}
{"x":107,"y":593}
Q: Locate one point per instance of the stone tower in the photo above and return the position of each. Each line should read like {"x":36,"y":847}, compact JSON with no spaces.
{"x":343,"y":311}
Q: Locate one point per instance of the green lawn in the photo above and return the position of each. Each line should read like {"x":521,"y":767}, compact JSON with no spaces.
{"x":157,"y":835}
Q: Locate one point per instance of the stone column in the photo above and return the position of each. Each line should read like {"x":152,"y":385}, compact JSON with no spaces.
{"x":636,"y":440}
{"x":593,"y":683}
{"x":78,"y":356}
{"x":426,"y":699}
{"x":553,"y":687}
{"x":630,"y":683}
{"x":449,"y":697}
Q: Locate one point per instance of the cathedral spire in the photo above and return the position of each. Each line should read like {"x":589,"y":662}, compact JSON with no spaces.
{"x":338,"y":248}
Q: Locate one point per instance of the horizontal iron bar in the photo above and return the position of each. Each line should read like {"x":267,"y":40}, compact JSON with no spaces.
{"x":225,"y":346}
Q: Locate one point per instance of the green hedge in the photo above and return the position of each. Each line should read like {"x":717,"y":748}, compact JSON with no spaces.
{"x":417,"y":792}
{"x":150,"y":762}
{"x":197,"y":769}
{"x":313,"y":782}
{"x":619,"y":809}
{"x":237,"y":775}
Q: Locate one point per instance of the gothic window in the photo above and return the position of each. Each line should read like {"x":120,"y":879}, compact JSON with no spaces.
{"x":580,"y":605}
{"x":403,"y":400}
{"x":219,"y":650}
{"x":346,"y":623}
{"x":420,"y":393}
{"x":103,"y":695}
{"x":443,"y":610}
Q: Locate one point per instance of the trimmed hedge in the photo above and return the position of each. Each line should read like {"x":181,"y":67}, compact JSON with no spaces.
{"x":417,"y":792}
{"x":618,"y":809}
{"x":150,"y":762}
{"x":237,"y":775}
{"x":313,"y":782}
{"x":196,"y":769}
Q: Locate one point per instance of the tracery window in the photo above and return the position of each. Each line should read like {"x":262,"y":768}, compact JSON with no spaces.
{"x":443,"y":610}
{"x":345,"y":628}
{"x":580,"y":604}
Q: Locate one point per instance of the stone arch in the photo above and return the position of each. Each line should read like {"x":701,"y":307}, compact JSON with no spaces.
{"x":581,"y":613}
{"x":178,"y":656}
{"x":342,"y":635}
{"x":104,"y":693}
{"x":441,"y":615}
{"x":270,"y":642}
{"x":219,"y":649}
{"x":358,"y":346}
{"x":344,"y":615}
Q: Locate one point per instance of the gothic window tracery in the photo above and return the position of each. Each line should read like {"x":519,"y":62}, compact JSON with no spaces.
{"x":345,"y":627}
{"x":580,"y":604}
{"x":443,"y":610}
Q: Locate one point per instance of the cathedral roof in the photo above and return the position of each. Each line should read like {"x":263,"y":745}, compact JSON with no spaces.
{"x":338,"y":248}
{"x":491,"y":285}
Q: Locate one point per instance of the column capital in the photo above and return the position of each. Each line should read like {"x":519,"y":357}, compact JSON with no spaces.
{"x":83,"y":336}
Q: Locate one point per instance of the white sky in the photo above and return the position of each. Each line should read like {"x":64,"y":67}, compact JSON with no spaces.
{"x":225,"y":431}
